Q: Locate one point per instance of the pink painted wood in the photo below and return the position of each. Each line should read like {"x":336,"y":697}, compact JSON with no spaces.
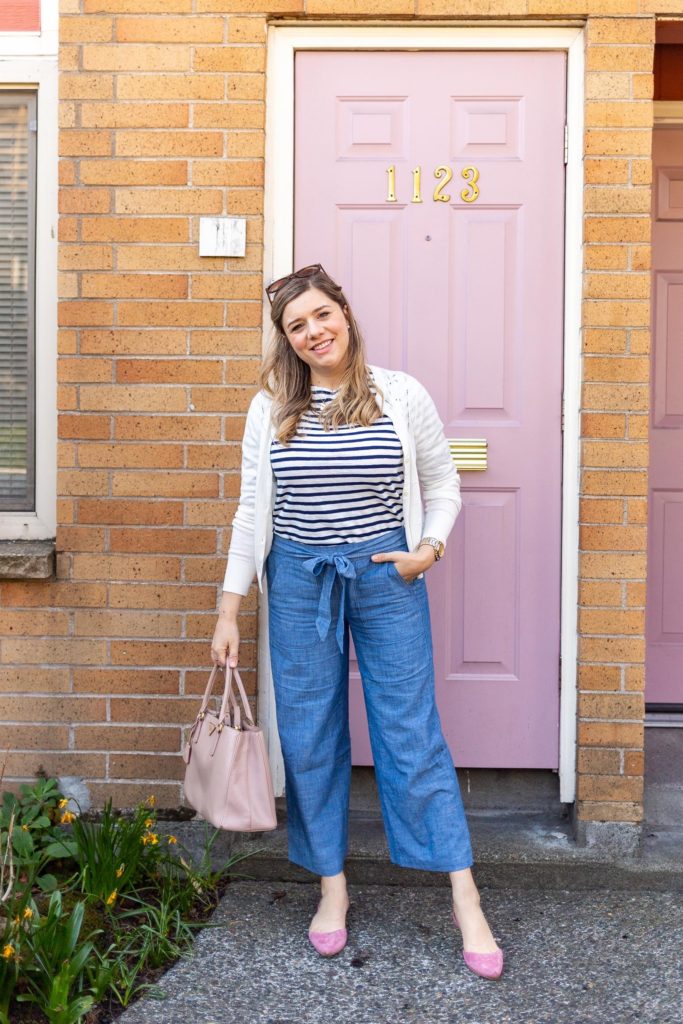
{"x":467,"y":297}
{"x":664,"y":615}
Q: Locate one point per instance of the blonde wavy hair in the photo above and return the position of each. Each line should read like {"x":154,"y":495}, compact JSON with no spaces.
{"x":287,"y":378}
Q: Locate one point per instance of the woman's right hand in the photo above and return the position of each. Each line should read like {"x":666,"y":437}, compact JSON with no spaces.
{"x":226,"y":642}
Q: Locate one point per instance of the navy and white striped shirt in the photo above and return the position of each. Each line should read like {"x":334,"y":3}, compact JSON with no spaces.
{"x":337,"y":486}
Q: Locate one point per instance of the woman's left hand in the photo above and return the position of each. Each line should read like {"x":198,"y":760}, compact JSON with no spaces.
{"x":409,"y":564}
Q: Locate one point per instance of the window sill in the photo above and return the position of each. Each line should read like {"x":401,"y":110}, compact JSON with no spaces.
{"x":27,"y":559}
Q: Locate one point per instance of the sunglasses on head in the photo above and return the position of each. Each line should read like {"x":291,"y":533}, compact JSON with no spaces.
{"x":275,"y":286}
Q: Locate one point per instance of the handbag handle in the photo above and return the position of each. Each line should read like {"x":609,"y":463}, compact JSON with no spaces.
{"x":228,"y":695}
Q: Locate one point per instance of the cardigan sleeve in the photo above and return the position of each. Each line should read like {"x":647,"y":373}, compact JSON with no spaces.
{"x":438,"y":476}
{"x":241,"y":567}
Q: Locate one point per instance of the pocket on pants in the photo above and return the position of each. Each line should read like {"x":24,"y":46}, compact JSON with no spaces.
{"x":393,"y":573}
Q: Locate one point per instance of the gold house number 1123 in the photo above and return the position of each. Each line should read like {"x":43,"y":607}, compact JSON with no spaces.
{"x":443,"y":175}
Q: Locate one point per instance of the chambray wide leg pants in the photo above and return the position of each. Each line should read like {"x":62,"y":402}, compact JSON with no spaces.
{"x":315,"y":593}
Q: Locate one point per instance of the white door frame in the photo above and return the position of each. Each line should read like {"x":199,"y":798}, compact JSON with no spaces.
{"x":283,"y":43}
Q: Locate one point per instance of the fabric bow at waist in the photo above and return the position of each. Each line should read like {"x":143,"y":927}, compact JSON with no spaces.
{"x":331,"y":566}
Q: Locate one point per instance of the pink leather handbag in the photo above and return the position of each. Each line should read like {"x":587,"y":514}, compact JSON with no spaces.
{"x":227,"y":778}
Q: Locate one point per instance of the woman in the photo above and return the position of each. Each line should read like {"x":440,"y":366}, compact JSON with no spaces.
{"x":338,"y":458}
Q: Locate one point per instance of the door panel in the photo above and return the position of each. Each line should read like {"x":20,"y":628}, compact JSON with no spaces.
{"x":664,"y":616}
{"x":467,"y":297}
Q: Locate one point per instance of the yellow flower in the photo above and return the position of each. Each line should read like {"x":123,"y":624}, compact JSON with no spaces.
{"x":24,"y":828}
{"x":67,"y":817}
{"x":119,"y":871}
{"x":149,"y":822}
{"x":8,"y":951}
{"x":28,"y":913}
{"x":172,"y":840}
{"x":151,"y":800}
{"x":111,"y":898}
{"x":150,"y":837}
{"x":62,"y":803}
{"x":16,"y":921}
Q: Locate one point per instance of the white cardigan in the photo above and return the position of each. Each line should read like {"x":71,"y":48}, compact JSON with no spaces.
{"x":430,"y":477}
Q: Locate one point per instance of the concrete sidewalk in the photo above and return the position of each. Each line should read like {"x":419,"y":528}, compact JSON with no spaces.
{"x":589,"y":939}
{"x":571,"y":958}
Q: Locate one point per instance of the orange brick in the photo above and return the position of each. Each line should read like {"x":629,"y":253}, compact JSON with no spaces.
{"x":247,"y":30}
{"x":133,"y":172}
{"x":614,"y":482}
{"x":169,"y":371}
{"x":121,"y":737}
{"x":83,"y":28}
{"x":230,"y":342}
{"x":635,"y":680}
{"x":208,"y":570}
{"x":609,"y":199}
{"x":83,"y":86}
{"x":617,"y":229}
{"x":138,"y":6}
{"x":165,"y":257}
{"x":621,"y":30}
{"x":592,"y":621}
{"x":113,"y":622}
{"x":608,"y":85}
{"x":170,"y":87}
{"x":85,"y":257}
{"x":230,"y":115}
{"x":141,"y":595}
{"x":33,"y":623}
{"x":127,"y":796}
{"x":246,"y":144}
{"x":215,"y":456}
{"x":222,"y":399}
{"x":165,"y":29}
{"x":229,"y":58}
{"x":123,"y":512}
{"x":245,"y":201}
{"x":89,"y":765}
{"x":54,"y":709}
{"x":611,"y":649}
{"x":159,"y":201}
{"x":597,"y":761}
{"x":226,"y":286}
{"x":172,"y":485}
{"x":132,"y":229}
{"x":68,"y":57}
{"x":163,"y":540}
{"x":207,"y":513}
{"x":79,"y":142}
{"x":609,"y":142}
{"x":33,"y":737}
{"x":134,"y":115}
{"x":158,"y":286}
{"x":634,"y":762}
{"x":171,"y":314}
{"x":610,"y":566}
{"x":234,"y":173}
{"x":78,"y":313}
{"x":37,"y":593}
{"x":80,"y":481}
{"x":79,"y":538}
{"x":591,"y":593}
{"x":146,"y":766}
{"x":176,"y":428}
{"x":79,"y":426}
{"x":67,"y":172}
{"x":167,"y":143}
{"x":67,"y":230}
{"x":604,"y":341}
{"x":608,"y":313}
{"x":129,"y":456}
{"x":610,"y":734}
{"x":144,"y":342}
{"x":618,"y":811}
{"x":627,"y":454}
{"x":642,"y":86}
{"x":609,"y":787}
{"x":626,"y":113}
{"x":627,"y":397}
{"x":619,"y":58}
{"x":641,"y":257}
{"x":606,"y":257}
{"x":599,"y":510}
{"x":79,"y":370}
{"x":244,"y":314}
{"x":256,"y":6}
{"x":31,"y":680}
{"x":125,"y":567}
{"x":599,"y":424}
{"x":637,"y":510}
{"x":133,"y":399}
{"x":635,"y":594}
{"x":135,"y":57}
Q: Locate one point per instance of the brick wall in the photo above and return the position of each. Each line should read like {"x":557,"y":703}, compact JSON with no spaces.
{"x":162,"y":105}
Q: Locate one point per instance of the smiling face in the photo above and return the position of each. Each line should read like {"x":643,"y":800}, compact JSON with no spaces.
{"x":318,"y":331}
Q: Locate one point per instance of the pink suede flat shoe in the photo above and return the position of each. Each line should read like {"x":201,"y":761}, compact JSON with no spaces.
{"x":486,"y":965}
{"x":328,"y":943}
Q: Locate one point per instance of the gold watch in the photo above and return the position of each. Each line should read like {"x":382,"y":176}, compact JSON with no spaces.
{"x":438,"y":545}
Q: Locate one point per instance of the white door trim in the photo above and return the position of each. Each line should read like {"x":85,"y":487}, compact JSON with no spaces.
{"x":283,"y":42}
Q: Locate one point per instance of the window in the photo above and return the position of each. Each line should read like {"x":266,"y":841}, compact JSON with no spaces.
{"x":17,"y":300}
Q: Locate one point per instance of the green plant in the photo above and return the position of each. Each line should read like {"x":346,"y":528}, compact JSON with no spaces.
{"x":37,"y":838}
{"x":55,"y":968}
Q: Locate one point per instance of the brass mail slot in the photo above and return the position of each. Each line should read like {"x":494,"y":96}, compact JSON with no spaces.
{"x":469,"y":453}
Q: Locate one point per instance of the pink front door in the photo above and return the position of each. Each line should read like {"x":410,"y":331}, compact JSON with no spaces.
{"x":431,"y":185}
{"x":664,"y":629}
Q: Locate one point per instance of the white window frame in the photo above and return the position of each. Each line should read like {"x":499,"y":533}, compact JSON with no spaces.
{"x":29,"y":61}
{"x":284,"y":39}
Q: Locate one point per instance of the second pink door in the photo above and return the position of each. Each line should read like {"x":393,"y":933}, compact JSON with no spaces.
{"x":431,"y":185}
